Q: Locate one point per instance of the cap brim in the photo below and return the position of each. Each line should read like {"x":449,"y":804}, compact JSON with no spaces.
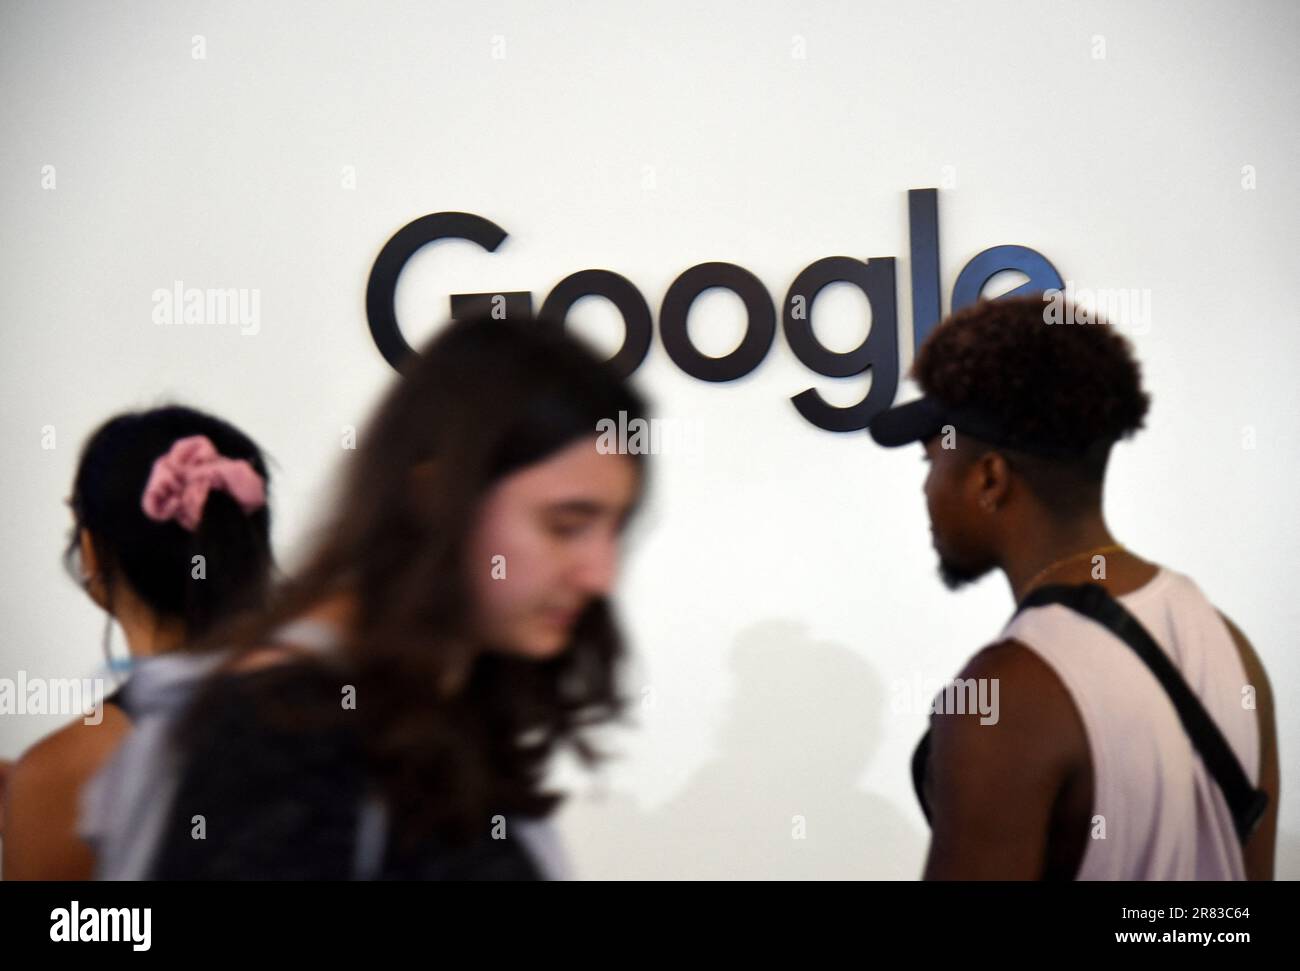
{"x":913,"y":422}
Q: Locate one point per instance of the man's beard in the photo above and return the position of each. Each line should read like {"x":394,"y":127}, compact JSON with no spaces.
{"x":955,"y":577}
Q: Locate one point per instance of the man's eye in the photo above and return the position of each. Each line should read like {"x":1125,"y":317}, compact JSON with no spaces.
{"x":567,"y":530}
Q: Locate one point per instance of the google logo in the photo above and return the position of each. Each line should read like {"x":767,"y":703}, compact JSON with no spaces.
{"x":875,"y":277}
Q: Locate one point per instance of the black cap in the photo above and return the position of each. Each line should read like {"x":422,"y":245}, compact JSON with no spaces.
{"x":920,"y":419}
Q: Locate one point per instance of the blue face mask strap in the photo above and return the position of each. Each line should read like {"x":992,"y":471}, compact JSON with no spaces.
{"x":119,"y":667}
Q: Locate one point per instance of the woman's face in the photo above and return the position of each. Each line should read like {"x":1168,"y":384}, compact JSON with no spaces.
{"x":546,"y":545}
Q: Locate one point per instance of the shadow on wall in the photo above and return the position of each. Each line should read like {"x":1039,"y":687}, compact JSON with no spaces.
{"x":781,"y":799}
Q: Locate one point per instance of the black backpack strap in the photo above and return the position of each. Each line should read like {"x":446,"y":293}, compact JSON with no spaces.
{"x":1245,"y":801}
{"x":920,"y":758}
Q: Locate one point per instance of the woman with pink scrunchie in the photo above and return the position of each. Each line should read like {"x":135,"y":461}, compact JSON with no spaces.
{"x":170,"y":538}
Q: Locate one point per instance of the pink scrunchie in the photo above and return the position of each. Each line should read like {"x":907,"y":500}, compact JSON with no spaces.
{"x":181,"y":480}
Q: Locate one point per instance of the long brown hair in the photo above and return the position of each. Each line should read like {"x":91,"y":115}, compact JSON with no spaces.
{"x":485,"y":398}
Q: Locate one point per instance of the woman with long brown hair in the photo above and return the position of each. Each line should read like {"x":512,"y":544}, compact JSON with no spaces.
{"x":393,"y":713}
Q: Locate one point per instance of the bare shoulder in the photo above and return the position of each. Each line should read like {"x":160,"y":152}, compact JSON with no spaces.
{"x":1259,"y":851}
{"x":41,"y":799}
{"x":1262,"y":691}
{"x":74,"y":751}
{"x":1009,"y":657}
{"x":1038,"y":691}
{"x":1030,"y":702}
{"x":1255,"y":672}
{"x":995,"y":775}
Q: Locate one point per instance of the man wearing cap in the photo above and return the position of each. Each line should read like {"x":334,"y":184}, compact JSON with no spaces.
{"x":1135,"y":737}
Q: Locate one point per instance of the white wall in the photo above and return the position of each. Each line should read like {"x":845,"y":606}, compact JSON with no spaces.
{"x":781,"y":585}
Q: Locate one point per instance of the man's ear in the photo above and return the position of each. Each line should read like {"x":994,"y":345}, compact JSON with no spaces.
{"x":995,"y":477}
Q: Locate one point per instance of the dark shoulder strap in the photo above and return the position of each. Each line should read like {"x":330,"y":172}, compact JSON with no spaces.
{"x":920,"y":759}
{"x":1245,"y":801}
{"x":118,"y":698}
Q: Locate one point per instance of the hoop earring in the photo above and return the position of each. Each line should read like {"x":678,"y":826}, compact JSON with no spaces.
{"x":108,"y":645}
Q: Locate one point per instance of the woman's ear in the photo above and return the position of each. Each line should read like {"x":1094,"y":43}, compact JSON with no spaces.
{"x":92,"y":577}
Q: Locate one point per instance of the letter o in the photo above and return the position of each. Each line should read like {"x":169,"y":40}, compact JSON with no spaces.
{"x":759,"y":331}
{"x":623,"y":294}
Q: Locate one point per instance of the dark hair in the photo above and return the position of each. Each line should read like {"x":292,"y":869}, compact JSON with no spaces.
{"x":1075,"y":385}
{"x":485,"y":398}
{"x":156,"y":558}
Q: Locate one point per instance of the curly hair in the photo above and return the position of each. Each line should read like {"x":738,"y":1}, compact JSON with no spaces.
{"x":1076,"y":386}
{"x":1070,"y":384}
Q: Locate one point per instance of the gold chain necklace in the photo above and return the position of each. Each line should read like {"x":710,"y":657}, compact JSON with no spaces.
{"x":1115,"y":548}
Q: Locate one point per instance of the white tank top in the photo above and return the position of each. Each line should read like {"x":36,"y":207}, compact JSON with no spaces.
{"x":1164,"y":816}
